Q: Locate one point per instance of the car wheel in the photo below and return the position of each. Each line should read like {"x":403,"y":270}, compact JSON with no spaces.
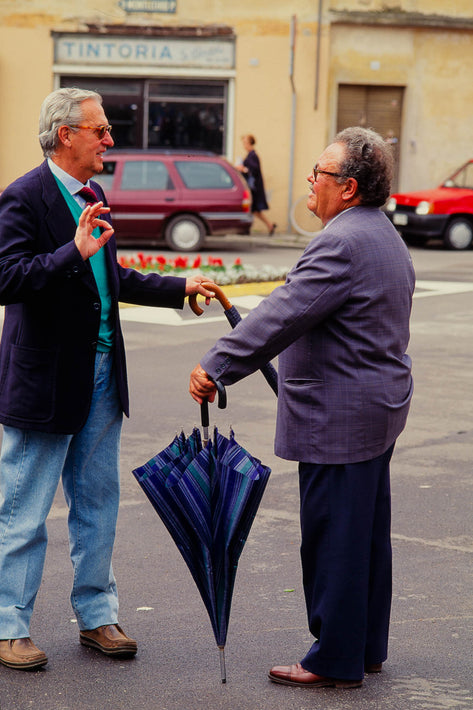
{"x":458,"y":234}
{"x":185,"y":233}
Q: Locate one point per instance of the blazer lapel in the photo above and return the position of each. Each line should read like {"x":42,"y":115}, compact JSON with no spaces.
{"x":58,"y":217}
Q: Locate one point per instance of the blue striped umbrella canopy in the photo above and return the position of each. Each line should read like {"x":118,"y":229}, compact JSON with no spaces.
{"x":207,"y":497}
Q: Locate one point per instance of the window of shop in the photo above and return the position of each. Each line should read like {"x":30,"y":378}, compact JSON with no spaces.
{"x":150,"y":113}
{"x":186,"y":114}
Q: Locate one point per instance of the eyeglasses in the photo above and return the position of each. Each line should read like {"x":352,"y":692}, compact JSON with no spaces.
{"x":99,"y":130}
{"x":318,"y":171}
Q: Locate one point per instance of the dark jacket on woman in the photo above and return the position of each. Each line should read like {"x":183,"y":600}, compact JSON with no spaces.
{"x":254,"y":177}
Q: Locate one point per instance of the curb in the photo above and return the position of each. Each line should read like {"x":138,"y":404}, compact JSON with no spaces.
{"x":254,"y":288}
{"x":295,"y":241}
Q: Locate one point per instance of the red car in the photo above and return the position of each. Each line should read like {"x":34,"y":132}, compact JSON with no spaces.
{"x":174,"y":196}
{"x":443,"y":213}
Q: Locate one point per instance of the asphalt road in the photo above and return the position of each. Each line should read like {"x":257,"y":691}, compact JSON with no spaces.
{"x":430,"y":666}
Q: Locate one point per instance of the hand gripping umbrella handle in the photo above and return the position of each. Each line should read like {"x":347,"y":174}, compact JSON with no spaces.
{"x":219,"y":295}
{"x":233,"y":317}
{"x":204,"y":407}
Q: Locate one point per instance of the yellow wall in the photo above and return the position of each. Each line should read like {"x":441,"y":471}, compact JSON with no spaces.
{"x":458,"y":8}
{"x":25,"y":79}
{"x":264,"y":108}
{"x":430,"y":62}
{"x":438,"y":101}
{"x":263,"y":92}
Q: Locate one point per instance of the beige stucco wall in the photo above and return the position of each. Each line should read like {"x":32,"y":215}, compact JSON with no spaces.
{"x":438,"y":99}
{"x":264,"y":107}
{"x":263,"y":91}
{"x":458,"y":8}
{"x":429,"y":61}
{"x":25,"y":79}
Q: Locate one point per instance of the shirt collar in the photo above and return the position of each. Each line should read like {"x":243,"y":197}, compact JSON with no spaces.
{"x":71,"y":184}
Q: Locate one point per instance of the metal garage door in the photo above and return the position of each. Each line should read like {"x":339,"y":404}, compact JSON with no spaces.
{"x":377,"y":107}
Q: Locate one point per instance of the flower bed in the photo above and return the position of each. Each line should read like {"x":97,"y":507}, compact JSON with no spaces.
{"x":214,"y":269}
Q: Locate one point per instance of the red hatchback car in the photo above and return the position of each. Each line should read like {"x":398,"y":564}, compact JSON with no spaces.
{"x":445,"y":212}
{"x":174,"y":196}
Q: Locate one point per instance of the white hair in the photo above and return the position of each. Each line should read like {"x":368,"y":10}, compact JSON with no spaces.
{"x":59,"y":108}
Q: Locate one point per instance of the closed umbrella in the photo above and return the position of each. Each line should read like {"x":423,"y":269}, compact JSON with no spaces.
{"x":207,"y":494}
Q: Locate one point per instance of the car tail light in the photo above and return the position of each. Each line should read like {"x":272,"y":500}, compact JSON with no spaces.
{"x":246,"y":202}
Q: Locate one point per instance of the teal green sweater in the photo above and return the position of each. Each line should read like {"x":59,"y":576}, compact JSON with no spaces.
{"x":99,"y":268}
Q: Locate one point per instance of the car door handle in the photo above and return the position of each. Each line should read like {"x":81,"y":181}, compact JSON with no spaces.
{"x":169,"y":199}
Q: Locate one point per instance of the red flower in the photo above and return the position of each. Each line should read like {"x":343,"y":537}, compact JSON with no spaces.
{"x":238,"y":262}
{"x":197,"y":262}
{"x":180,"y":262}
{"x":142,"y":259}
{"x":161,"y":260}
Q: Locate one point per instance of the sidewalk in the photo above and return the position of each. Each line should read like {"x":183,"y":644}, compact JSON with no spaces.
{"x":279,"y":239}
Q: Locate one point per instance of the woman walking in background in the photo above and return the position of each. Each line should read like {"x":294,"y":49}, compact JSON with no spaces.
{"x":251,"y":169}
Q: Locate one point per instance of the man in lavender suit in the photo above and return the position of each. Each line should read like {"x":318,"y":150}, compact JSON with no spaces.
{"x":340,"y":325}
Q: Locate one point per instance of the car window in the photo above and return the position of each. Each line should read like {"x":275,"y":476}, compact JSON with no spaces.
{"x":105,"y":178}
{"x":203,"y":175}
{"x":463,"y":178}
{"x":145,"y":175}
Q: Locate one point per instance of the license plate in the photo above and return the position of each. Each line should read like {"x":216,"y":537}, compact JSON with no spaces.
{"x":400,"y":219}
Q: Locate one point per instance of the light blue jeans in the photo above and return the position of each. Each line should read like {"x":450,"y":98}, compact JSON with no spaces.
{"x":31,"y":465}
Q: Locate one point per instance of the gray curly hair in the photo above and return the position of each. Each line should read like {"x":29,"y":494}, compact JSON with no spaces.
{"x":59,"y":108}
{"x":368,"y":159}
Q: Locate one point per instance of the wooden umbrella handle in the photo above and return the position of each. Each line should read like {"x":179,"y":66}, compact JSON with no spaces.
{"x":219,"y":295}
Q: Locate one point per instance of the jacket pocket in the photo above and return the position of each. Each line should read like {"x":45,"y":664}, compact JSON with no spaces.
{"x":28,"y":384}
{"x":304,"y":390}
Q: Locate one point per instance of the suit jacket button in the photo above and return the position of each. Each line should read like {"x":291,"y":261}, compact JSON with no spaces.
{"x":75,"y":269}
{"x":94,"y":345}
{"x":96,"y":306}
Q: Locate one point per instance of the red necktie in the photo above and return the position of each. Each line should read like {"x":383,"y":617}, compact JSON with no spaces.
{"x":89,"y":195}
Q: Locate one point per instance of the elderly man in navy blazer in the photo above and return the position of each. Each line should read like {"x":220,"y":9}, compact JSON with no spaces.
{"x":63,"y":385}
{"x":340,"y":325}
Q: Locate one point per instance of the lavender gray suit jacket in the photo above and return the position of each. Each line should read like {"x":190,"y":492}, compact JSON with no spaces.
{"x":340,"y":325}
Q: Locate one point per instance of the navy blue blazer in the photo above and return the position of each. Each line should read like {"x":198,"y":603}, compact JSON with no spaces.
{"x":52,"y":308}
{"x":340,"y":325}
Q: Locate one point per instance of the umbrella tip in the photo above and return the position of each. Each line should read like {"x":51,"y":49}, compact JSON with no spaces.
{"x":223,"y":672}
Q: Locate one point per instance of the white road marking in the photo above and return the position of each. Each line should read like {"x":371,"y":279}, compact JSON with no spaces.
{"x":168,"y":316}
{"x":441,"y":288}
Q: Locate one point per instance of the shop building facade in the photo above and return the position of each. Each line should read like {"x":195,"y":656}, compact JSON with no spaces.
{"x":195,"y":74}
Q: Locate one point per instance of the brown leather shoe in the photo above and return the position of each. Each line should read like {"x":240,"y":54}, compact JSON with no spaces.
{"x":109,"y":639}
{"x":21,"y":654}
{"x":296,"y":675}
{"x":373,"y":667}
